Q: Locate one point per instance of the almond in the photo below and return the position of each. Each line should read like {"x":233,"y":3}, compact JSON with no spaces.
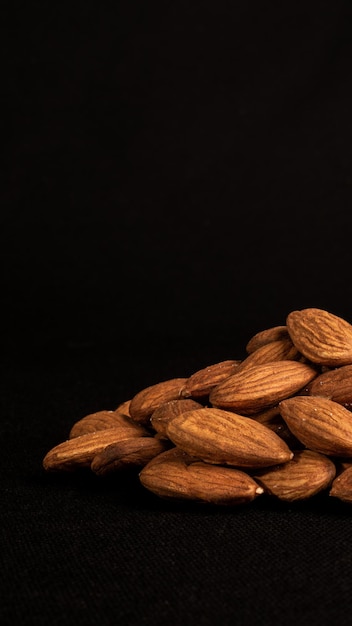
{"x":279,"y":350}
{"x":224,"y":438}
{"x":124,"y":408}
{"x":335,"y":384}
{"x":126,"y":454}
{"x":102,"y":420}
{"x":264,"y":337}
{"x":165,"y":475}
{"x":320,"y":424}
{"x":321,"y":337}
{"x":167,"y":411}
{"x":341,"y":487}
{"x":304,"y":476}
{"x":261,"y":386}
{"x":147,"y":400}
{"x":174,"y":474}
{"x":80,"y":451}
{"x":200,"y":384}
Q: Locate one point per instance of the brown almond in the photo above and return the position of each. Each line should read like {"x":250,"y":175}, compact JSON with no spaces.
{"x":144,"y":403}
{"x":279,"y":350}
{"x":264,"y":337}
{"x":307,"y":474}
{"x":123,"y":407}
{"x":320,"y":424}
{"x":341,"y":487}
{"x":321,"y":337}
{"x":335,"y":384}
{"x":101,"y":420}
{"x":200,"y":384}
{"x":166,"y":476}
{"x":261,"y":386}
{"x":225,"y":438}
{"x":80,"y":451}
{"x":214,"y":484}
{"x":176,"y":475}
{"x":169,"y":410}
{"x":127,"y":454}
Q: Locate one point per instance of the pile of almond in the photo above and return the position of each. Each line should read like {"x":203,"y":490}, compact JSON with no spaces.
{"x":278,"y":422}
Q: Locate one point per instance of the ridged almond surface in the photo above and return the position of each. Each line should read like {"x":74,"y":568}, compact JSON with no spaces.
{"x":321,"y":337}
{"x":203,"y":381}
{"x":341,"y":487}
{"x":279,"y":350}
{"x":305,"y":475}
{"x":319,"y":423}
{"x":100,"y":421}
{"x":169,"y":410}
{"x":129,"y":453}
{"x":147,"y":400}
{"x":335,"y":384}
{"x":80,"y":451}
{"x":261,"y":386}
{"x":225,"y":438}
{"x":264,"y":337}
{"x":175,"y":475}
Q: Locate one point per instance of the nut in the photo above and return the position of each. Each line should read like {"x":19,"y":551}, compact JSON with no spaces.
{"x":264,"y":337}
{"x":130,"y":453}
{"x":279,"y":350}
{"x":304,"y":476}
{"x":261,"y":386}
{"x":341,"y":487}
{"x":225,"y":438}
{"x":102,"y":420}
{"x":174,"y":474}
{"x":168,"y":411}
{"x":321,"y":337}
{"x":319,"y":423}
{"x":203,"y":381}
{"x":80,"y":451}
{"x":147,"y":400}
{"x":335,"y":384}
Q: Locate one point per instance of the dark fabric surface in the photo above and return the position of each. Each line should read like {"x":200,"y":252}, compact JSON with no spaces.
{"x":177,"y":177}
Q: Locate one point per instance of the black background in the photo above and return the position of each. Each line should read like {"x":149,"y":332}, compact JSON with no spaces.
{"x":177,"y":177}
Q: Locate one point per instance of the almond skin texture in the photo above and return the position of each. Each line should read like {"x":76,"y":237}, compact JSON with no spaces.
{"x":320,"y":424}
{"x":176,"y":475}
{"x":341,"y":487}
{"x":259,"y":387}
{"x":144,"y":403}
{"x":200,"y":384}
{"x":321,"y":337}
{"x":127,"y":454}
{"x":280,"y":350}
{"x":168,"y":411}
{"x":335,"y":384}
{"x":80,"y":451}
{"x":225,"y":438}
{"x":100,"y":421}
{"x":304,"y":476}
{"x":266,"y":336}
{"x":165,"y":475}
